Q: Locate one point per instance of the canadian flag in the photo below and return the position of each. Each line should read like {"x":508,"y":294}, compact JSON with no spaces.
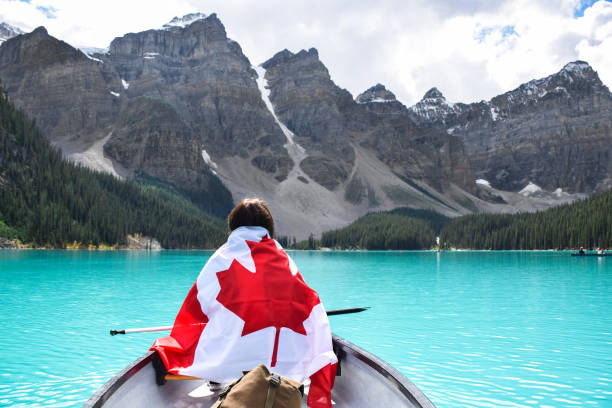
{"x":250,"y":306}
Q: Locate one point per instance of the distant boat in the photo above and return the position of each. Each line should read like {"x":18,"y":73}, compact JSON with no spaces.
{"x":590,"y":254}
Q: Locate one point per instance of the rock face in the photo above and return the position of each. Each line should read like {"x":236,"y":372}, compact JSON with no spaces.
{"x":60,"y":87}
{"x":413,"y":151}
{"x":555,"y":132}
{"x":331,"y":125}
{"x":308,"y":102}
{"x":207,"y":79}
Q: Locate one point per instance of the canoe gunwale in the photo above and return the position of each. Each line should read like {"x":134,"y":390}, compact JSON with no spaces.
{"x":103,"y":393}
{"x":401,"y":383}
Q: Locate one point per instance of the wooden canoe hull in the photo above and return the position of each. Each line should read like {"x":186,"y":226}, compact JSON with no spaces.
{"x":365,"y":381}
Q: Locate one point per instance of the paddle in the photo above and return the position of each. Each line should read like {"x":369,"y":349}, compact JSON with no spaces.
{"x":163,"y":328}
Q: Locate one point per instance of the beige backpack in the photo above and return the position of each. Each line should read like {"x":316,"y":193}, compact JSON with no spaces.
{"x":259,"y":388}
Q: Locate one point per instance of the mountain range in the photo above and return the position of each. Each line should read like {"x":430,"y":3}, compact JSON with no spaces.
{"x":183,"y":107}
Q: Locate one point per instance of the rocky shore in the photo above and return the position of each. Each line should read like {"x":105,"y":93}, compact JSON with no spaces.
{"x":134,"y":242}
{"x":7,"y":244}
{"x":138,"y":241}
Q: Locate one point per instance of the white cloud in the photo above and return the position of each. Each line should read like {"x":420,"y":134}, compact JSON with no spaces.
{"x":470,"y":50}
{"x":92,"y":23}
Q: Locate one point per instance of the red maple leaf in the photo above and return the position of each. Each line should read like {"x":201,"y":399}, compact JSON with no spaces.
{"x":270,"y":297}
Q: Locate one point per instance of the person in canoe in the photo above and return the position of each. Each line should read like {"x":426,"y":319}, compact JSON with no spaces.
{"x":250,"y":306}
{"x":581,"y":251}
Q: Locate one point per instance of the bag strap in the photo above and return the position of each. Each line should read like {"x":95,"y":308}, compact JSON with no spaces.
{"x":273,"y":384}
{"x":224,"y":393}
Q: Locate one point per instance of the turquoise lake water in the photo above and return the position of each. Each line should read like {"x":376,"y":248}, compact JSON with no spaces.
{"x":470,"y":329}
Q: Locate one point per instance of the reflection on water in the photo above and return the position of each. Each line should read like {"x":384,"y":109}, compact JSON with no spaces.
{"x":471,"y":329}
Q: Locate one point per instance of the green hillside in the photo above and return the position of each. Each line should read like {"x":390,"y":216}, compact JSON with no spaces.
{"x":586,"y":223}
{"x":399,"y":229}
{"x":47,"y":201}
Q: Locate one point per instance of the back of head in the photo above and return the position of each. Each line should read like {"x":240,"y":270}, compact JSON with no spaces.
{"x":251,"y":212}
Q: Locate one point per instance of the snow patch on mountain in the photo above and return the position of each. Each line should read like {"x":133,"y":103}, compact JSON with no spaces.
{"x":483,"y":182}
{"x":494,"y":113}
{"x":125,"y":84}
{"x":90,"y":51}
{"x":182,"y":22}
{"x":376,"y":100}
{"x":94,"y":59}
{"x":9,"y":31}
{"x":296,"y":152}
{"x":530,"y":189}
{"x":560,"y":193}
{"x":208,"y":160}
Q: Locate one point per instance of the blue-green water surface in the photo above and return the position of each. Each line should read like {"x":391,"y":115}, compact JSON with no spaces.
{"x":471,"y":329}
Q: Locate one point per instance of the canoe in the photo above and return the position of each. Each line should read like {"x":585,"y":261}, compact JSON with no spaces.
{"x":364,"y":381}
{"x":577,"y":254}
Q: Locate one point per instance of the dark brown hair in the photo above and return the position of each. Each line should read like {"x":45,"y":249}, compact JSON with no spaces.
{"x":251,"y":212}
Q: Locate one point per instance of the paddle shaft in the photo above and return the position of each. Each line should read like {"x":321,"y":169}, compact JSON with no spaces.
{"x":164,"y":328}
{"x":141,"y":330}
{"x":346,"y":311}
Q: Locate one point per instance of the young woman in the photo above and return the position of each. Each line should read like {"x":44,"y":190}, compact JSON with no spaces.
{"x":250,"y":306}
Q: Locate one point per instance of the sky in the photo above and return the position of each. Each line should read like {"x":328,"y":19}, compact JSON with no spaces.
{"x":469,"y":49}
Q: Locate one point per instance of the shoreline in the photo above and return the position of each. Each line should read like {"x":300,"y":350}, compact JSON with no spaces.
{"x":29,"y":248}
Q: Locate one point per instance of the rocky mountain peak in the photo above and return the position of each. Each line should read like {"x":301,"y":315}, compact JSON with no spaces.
{"x":278,"y":58}
{"x":377,"y":93}
{"x":579,"y":74}
{"x":287,"y":57}
{"x":40,"y":31}
{"x":39,"y":48}
{"x":578,"y":68}
{"x":311,"y":53}
{"x":182,"y":22}
{"x":434,"y":93}
{"x":433,"y":107}
{"x":201,"y":38}
{"x":8,"y":31}
{"x":574,"y":79}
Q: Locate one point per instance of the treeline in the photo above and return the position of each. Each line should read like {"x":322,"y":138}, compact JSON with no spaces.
{"x":586,"y":223}
{"x":47,"y":201}
{"x":434,"y":218}
{"x":381,"y":231}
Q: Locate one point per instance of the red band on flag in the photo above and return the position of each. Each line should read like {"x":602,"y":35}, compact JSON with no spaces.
{"x":178,"y":349}
{"x":321,"y":383}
